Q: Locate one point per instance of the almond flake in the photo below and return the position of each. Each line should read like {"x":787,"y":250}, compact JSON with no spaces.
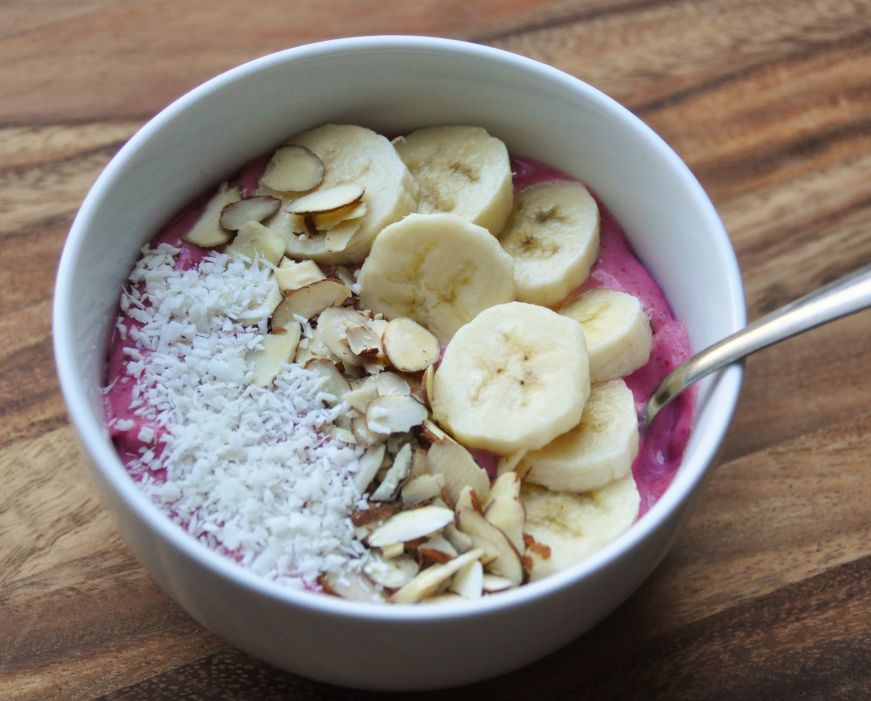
{"x":362,"y":393}
{"x":492,"y":583}
{"x":277,"y":351}
{"x":333,"y":327}
{"x":291,"y":275}
{"x":361,"y":432}
{"x":391,"y":573}
{"x":422,"y":488}
{"x":309,"y":301}
{"x":508,"y":463}
{"x":353,"y":212}
{"x":255,"y":240}
{"x":507,"y":562}
{"x":468,"y":582}
{"x":411,"y":524}
{"x":437,"y":549}
{"x":363,"y":341}
{"x":394,"y":414}
{"x":354,"y":586}
{"x":504,"y":509}
{"x":207,"y":232}
{"x":338,"y":238}
{"x":391,"y":550}
{"x":390,"y":384}
{"x":235,"y":214}
{"x":293,"y":169}
{"x":333,"y":382}
{"x":395,"y":475}
{"x":428,"y":376}
{"x":429,"y":580}
{"x":459,"y":468}
{"x":409,"y":346}
{"x":327,"y":199}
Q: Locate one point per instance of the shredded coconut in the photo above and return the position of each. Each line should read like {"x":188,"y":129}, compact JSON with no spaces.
{"x":248,"y":470}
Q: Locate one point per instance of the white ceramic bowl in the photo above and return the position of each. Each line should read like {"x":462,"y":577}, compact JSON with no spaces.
{"x":394,"y":84}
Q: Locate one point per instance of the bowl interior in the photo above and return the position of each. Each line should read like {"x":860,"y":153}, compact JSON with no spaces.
{"x":393,"y":85}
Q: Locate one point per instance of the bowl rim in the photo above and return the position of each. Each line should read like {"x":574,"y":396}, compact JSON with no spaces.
{"x":104,"y":458}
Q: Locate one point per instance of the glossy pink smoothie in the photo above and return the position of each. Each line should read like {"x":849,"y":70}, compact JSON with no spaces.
{"x":660,"y":449}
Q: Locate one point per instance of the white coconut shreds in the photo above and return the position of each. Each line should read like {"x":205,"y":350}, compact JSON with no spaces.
{"x":248,"y":469}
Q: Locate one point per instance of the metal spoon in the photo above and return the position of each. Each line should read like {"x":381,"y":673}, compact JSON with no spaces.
{"x":839,"y":298}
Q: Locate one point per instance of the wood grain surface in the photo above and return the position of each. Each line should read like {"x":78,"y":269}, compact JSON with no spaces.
{"x":767,"y":592}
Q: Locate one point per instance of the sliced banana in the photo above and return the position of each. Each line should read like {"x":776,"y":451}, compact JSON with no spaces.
{"x":437,"y":269}
{"x":553,"y":237}
{"x":352,"y":155}
{"x":617,"y":330}
{"x":600,"y":449}
{"x":513,"y":378}
{"x":460,"y":170}
{"x":566,"y":528}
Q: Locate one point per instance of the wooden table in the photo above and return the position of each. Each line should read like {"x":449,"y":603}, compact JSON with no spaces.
{"x":766,"y":594}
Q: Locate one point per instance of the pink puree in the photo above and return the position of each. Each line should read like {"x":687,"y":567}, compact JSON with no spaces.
{"x":661,"y":448}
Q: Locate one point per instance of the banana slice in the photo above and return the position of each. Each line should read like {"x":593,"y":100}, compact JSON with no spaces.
{"x":513,"y":378}
{"x":617,"y":330}
{"x":562,"y":528}
{"x":359,"y":156}
{"x":553,"y":236}
{"x":600,"y":449}
{"x":462,"y":171}
{"x":437,"y":269}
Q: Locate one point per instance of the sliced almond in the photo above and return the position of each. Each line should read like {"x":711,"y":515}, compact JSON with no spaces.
{"x":409,"y":346}
{"x":395,"y":475}
{"x":353,"y":212}
{"x":422,"y":488}
{"x":437,"y":548}
{"x":207,"y":232}
{"x":428,"y":376}
{"x":459,"y":468}
{"x":363,"y":341}
{"x":327,"y":199}
{"x":309,"y":301}
{"x":255,"y":240}
{"x":419,"y":463}
{"x":362,"y":393}
{"x":332,"y":380}
{"x":504,"y":509}
{"x":235,"y":214}
{"x":343,"y":435}
{"x":468,"y":582}
{"x":431,"y":432}
{"x":333,"y":327}
{"x":459,"y":540}
{"x":507,"y":562}
{"x":390,"y":384}
{"x":293,"y":169}
{"x":369,"y":464}
{"x":391,"y":573}
{"x":291,"y":274}
{"x":278,"y":350}
{"x":338,"y":238}
{"x":493,"y":583}
{"x":411,"y":524}
{"x":351,"y":585}
{"x":361,"y":432}
{"x":394,"y":414}
{"x":374,"y":514}
{"x":429,"y":580}
{"x":509,"y":463}
{"x":392,"y":550}
{"x":345,"y":275}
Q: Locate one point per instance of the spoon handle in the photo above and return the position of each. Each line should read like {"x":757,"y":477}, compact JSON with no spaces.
{"x":844,"y":296}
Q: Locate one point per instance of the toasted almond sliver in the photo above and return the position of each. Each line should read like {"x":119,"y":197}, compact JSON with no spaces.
{"x":409,"y":346}
{"x":459,"y":468}
{"x":363,"y":341}
{"x":468,"y":582}
{"x":235,"y":214}
{"x":459,"y":540}
{"x":333,"y":326}
{"x":207,"y":232}
{"x":429,"y":580}
{"x":291,"y":274}
{"x":437,"y":548}
{"x":338,"y":238}
{"x":431,"y":432}
{"x":422,"y":488}
{"x":327,"y":199}
{"x":411,"y":524}
{"x":504,"y":509}
{"x":391,"y":572}
{"x":278,"y":349}
{"x":395,"y":475}
{"x":309,"y":301}
{"x":391,"y":414}
{"x":293,"y":169}
{"x":507,"y":562}
{"x":492,"y":583}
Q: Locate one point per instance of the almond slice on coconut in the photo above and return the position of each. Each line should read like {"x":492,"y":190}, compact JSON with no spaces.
{"x":235,"y":214}
{"x":278,"y":350}
{"x":327,"y":199}
{"x":369,"y":464}
{"x":504,"y":509}
{"x":428,"y":582}
{"x":361,"y":432}
{"x":492,"y":583}
{"x":333,"y":381}
{"x":291,"y":274}
{"x":507,"y":562}
{"x":390,"y":384}
{"x":255,"y":240}
{"x":391,"y":573}
{"x":333,"y":327}
{"x":409,"y":346}
{"x":309,"y":301}
{"x":422,"y":488}
{"x":337,"y":239}
{"x":436,"y":548}
{"x":387,"y":415}
{"x":459,"y":468}
{"x":363,"y":341}
{"x":207,"y":232}
{"x":351,"y":585}
{"x":411,"y":524}
{"x":293,"y":169}
{"x":395,"y":475}
{"x":468,"y":582}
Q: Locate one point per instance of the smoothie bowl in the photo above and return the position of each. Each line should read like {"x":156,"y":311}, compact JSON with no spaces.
{"x":356,"y":365}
